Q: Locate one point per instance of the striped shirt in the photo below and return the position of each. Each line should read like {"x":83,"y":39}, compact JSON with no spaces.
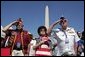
{"x":43,"y":50}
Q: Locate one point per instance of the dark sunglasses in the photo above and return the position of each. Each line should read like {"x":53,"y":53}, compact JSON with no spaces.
{"x":63,"y":21}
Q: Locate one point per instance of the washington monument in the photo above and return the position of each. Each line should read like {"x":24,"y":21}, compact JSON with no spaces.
{"x":47,"y":17}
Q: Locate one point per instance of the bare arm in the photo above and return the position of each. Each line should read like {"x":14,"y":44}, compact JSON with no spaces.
{"x":37,"y":45}
{"x":51,"y":27}
{"x":75,"y":48}
{"x":8,"y":26}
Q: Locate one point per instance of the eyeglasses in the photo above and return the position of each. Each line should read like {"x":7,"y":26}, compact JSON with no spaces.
{"x":63,"y":21}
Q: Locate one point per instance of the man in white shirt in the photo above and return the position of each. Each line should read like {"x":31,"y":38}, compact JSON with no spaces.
{"x":30,"y":49}
{"x":66,"y":38}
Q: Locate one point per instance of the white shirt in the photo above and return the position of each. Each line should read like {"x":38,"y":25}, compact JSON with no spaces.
{"x":32,"y":51}
{"x":17,"y":53}
{"x":2,"y":33}
{"x":82,"y":54}
{"x":66,"y":40}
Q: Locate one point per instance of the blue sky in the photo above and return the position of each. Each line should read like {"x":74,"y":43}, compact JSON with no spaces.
{"x":33,"y":13}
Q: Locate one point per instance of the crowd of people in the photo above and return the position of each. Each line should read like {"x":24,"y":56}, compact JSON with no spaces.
{"x":68,"y":42}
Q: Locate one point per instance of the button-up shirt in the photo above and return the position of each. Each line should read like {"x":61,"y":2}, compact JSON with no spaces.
{"x":66,"y":39}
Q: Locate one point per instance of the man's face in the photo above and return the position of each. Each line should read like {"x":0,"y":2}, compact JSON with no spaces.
{"x":19,"y":26}
{"x":64,"y":24}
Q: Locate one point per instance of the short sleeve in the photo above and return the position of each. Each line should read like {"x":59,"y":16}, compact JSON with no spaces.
{"x":76,"y":36}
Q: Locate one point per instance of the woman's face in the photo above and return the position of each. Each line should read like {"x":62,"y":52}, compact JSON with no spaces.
{"x":42,"y":32}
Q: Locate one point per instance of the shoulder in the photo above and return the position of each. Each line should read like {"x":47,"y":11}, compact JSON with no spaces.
{"x":25,"y":31}
{"x":71,"y":30}
{"x":33,"y":41}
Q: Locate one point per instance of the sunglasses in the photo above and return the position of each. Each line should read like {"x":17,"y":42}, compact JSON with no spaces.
{"x":63,"y":21}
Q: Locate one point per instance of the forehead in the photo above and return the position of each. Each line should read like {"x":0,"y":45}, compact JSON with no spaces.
{"x":20,"y":23}
{"x":42,"y":29}
{"x":64,"y":19}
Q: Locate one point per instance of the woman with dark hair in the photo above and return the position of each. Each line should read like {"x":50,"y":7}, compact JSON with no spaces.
{"x":43,"y":46}
{"x":40,"y":29}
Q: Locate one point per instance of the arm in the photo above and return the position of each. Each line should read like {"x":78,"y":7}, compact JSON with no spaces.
{"x":8,"y":26}
{"x":75,"y":48}
{"x":51,"y":27}
{"x":76,"y":40}
{"x":54,"y":45}
{"x":37,"y":45}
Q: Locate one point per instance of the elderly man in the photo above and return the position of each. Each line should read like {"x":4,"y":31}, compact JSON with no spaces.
{"x":19,"y":39}
{"x":66,"y":38}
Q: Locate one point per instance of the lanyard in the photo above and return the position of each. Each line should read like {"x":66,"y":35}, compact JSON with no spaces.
{"x":15,"y":41}
{"x":66,"y":38}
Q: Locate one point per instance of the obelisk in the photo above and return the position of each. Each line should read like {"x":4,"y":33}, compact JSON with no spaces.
{"x":47,"y":17}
